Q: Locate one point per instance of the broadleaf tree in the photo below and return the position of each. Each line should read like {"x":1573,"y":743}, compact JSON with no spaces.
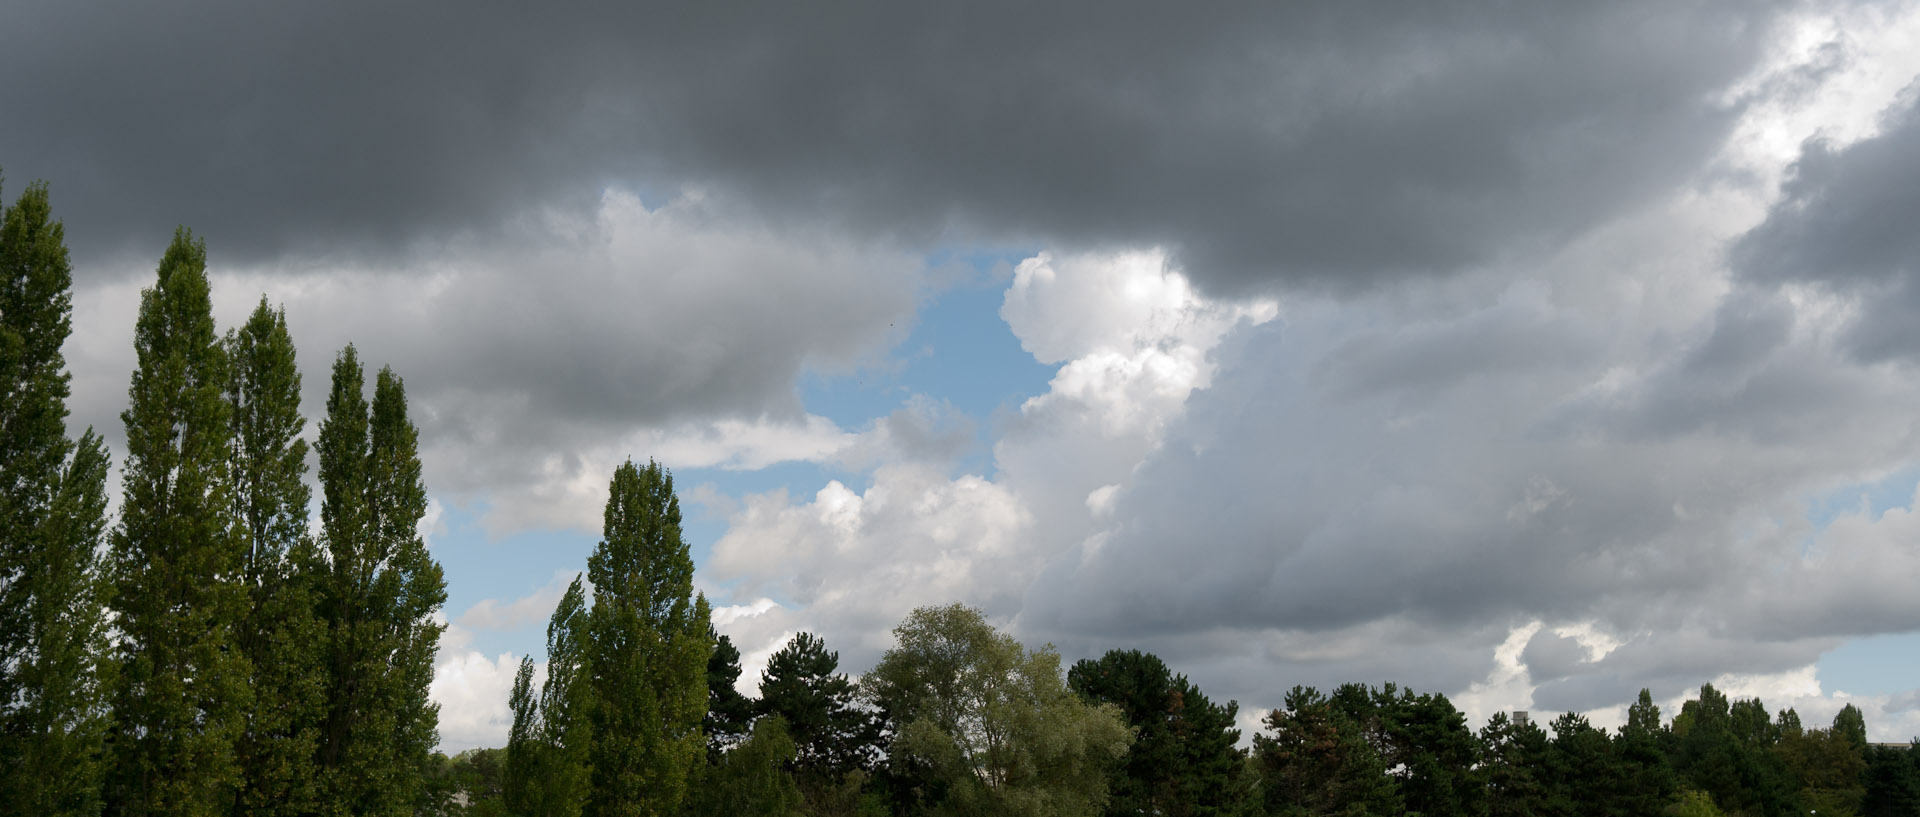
{"x":566,"y":706}
{"x":280,"y":635}
{"x":988,"y":726}
{"x":376,"y":599}
{"x":181,"y":690}
{"x":52,"y":520}
{"x":650,"y":645}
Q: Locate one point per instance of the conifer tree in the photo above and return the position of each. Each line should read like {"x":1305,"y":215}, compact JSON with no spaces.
{"x":181,"y":691}
{"x":376,"y":601}
{"x":649,"y":651}
{"x":802,"y":685}
{"x":1184,"y":759}
{"x":280,"y":636}
{"x":729,"y":713}
{"x":52,"y":517}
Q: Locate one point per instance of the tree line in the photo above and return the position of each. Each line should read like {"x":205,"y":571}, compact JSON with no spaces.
{"x":214,"y":650}
{"x":210,"y":651}
{"x":960,"y":719}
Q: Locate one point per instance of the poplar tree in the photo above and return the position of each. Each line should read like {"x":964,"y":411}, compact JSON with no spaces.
{"x":181,"y":692}
{"x":52,"y":517}
{"x":280,"y":635}
{"x":376,"y":600}
{"x":649,"y":651}
{"x":521,"y":787}
{"x":565,"y":704}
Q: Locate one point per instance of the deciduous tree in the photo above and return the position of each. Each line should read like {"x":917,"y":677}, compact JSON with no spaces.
{"x":992,"y":724}
{"x":377,"y":600}
{"x":649,"y":651}
{"x":52,"y":519}
{"x":181,"y":692}
{"x":280,"y":635}
{"x":566,"y":704}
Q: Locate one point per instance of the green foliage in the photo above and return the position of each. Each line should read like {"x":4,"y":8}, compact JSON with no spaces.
{"x":1693,"y":803}
{"x":522,"y":783}
{"x":987,"y":726}
{"x":750,"y":779}
{"x":480,"y":775}
{"x":1184,"y":759}
{"x":52,"y":519}
{"x":1513,"y":762}
{"x":1826,"y":769}
{"x":648,"y":654}
{"x":802,"y":686}
{"x":1742,"y":775}
{"x":1788,"y":723}
{"x":565,"y":736}
{"x":281,"y":636}
{"x":1851,"y":726}
{"x":729,"y":713}
{"x":1585,"y":773}
{"x":1643,"y":717}
{"x":182,"y":688}
{"x":1640,"y":750}
{"x":1748,"y":721}
{"x":1892,"y":782}
{"x":52,"y":740}
{"x":377,"y":598}
{"x":1317,"y":761}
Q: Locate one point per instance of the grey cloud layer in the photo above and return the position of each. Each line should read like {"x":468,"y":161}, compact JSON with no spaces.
{"x":1846,"y":222}
{"x":1340,"y":143}
{"x":531,"y":368}
{"x":1371,"y":469}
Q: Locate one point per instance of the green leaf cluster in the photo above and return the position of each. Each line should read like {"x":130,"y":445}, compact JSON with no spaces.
{"x":53,"y":667}
{"x":984,"y":726}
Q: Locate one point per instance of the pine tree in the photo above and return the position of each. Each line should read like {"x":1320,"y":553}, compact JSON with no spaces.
{"x":376,"y":601}
{"x":181,"y":691}
{"x":802,"y":684}
{"x":729,"y":713}
{"x":1184,"y":759}
{"x":649,"y":651}
{"x":52,"y":517}
{"x":1318,"y":762}
{"x":280,"y":636}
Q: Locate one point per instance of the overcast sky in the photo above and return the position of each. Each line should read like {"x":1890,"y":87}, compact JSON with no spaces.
{"x":1529,"y":353}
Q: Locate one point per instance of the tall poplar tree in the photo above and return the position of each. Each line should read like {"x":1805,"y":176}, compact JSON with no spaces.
{"x":376,"y":601}
{"x":522,"y":784}
{"x":565,"y":706}
{"x":52,"y":517}
{"x":280,"y":635}
{"x":649,"y":651}
{"x":177,"y":555}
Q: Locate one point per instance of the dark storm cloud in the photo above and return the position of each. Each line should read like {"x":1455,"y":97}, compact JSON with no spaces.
{"x":1338,"y":142}
{"x":1351,"y":469}
{"x":1845,"y":221}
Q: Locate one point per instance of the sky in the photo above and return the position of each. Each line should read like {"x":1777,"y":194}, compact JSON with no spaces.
{"x":1528,"y":353}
